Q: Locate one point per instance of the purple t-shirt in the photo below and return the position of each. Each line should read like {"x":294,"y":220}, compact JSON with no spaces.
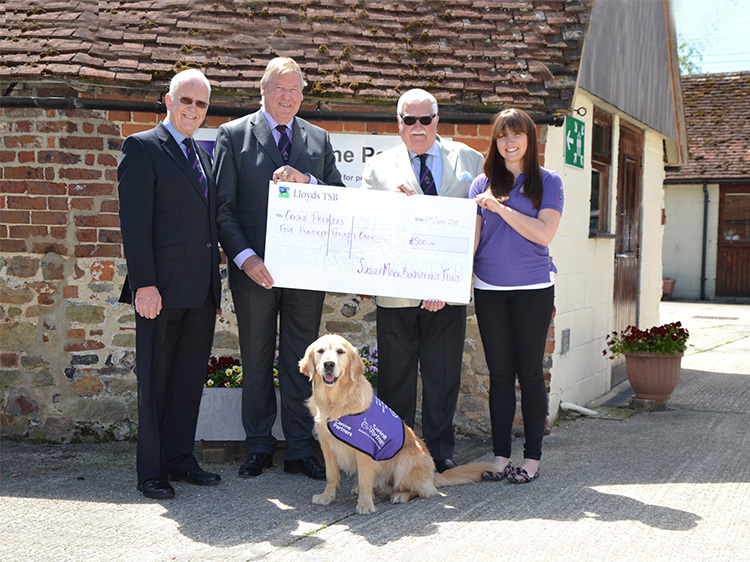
{"x":378,"y":431}
{"x":504,"y":257}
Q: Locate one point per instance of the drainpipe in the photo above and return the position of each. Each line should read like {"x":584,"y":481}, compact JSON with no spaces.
{"x":449,"y":114}
{"x":705,"y":241}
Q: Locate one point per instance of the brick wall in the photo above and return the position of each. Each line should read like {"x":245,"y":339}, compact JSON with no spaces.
{"x":67,"y":353}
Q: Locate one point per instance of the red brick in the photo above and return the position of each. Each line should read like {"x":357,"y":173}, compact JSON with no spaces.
{"x":80,"y":174}
{"x":45,"y":188}
{"x":56,"y":127}
{"x":58,"y":232}
{"x":103,"y":270}
{"x":106,"y":160}
{"x":145,"y":117}
{"x":13,"y":246}
{"x":118,"y":116}
{"x":15,"y":217}
{"x":76,"y":333}
{"x":27,"y":231}
{"x":130,"y":128}
{"x":24,"y":141}
{"x":48,"y":248}
{"x":84,"y":346}
{"x":49,"y":217}
{"x":7,"y":156}
{"x":98,"y":221}
{"x":57,"y":203}
{"x":110,"y":206}
{"x":82,"y":143}
{"x":70,"y":292}
{"x":98,"y":251}
{"x":22,"y":126}
{"x":110,"y":236}
{"x":8,"y":360}
{"x":91,"y":189}
{"x":25,"y":156}
{"x":86,"y":235}
{"x":16,"y":202}
{"x":24,"y":173}
{"x":7,"y":187}
{"x":88,"y":128}
{"x":90,"y":159}
{"x":112,"y":130}
{"x":57,"y":157}
{"x":82,"y":203}
{"x":111,"y":175}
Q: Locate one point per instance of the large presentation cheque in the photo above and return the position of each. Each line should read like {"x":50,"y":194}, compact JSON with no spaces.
{"x":370,"y":242}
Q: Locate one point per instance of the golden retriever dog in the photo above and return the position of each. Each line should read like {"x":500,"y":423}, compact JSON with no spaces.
{"x":340,"y":389}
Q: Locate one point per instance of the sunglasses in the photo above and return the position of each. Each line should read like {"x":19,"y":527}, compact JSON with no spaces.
{"x":198,"y":103}
{"x":410,"y":119}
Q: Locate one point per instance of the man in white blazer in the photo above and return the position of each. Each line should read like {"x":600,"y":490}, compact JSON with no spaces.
{"x":429,"y":334}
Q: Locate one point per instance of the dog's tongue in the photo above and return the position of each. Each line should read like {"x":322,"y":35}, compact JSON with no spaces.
{"x":328,"y":377}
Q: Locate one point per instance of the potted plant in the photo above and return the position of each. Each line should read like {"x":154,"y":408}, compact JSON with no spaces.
{"x":652,"y":358}
{"x":219,"y":416}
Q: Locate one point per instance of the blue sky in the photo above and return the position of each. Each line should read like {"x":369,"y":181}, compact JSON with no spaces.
{"x":718,"y":29}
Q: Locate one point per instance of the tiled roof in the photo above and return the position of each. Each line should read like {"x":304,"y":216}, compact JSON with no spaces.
{"x":717,"y":115}
{"x":469,"y":52}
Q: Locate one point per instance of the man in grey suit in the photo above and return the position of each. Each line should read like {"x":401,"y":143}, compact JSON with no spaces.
{"x":271,"y":144}
{"x":168,"y":224}
{"x":427,"y":334}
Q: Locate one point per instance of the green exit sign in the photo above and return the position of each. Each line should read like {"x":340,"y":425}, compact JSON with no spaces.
{"x":574,"y":138}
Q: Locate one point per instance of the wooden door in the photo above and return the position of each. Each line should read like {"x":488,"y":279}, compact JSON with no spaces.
{"x":733,"y":257}
{"x":627,"y":236}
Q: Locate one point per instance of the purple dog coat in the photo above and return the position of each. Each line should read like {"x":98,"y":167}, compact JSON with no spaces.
{"x":377,"y":432}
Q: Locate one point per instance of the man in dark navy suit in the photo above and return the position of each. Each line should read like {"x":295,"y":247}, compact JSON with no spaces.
{"x":271,"y":144}
{"x":167,"y":218}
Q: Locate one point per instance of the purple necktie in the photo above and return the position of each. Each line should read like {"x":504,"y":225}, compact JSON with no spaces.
{"x":285,"y":145}
{"x":193,"y":161}
{"x":426,"y":182}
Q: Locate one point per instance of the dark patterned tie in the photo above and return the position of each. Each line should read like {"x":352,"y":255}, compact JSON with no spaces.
{"x":285,"y":145}
{"x":426,"y":182}
{"x":193,"y":161}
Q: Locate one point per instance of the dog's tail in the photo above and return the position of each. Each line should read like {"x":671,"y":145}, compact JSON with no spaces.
{"x":464,"y":474}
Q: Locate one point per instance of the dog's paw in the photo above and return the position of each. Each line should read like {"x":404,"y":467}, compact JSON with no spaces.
{"x":401,"y":497}
{"x":323,"y":499}
{"x":365,"y":507}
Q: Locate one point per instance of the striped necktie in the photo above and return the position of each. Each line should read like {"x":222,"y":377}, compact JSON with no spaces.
{"x":426,"y":182}
{"x":192,"y":157}
{"x":285,"y":145}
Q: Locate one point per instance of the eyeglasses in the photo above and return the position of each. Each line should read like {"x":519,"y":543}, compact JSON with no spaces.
{"x":200,"y":104}
{"x":409,"y":120}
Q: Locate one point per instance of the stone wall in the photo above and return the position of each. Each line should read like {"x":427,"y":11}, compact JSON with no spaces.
{"x":67,"y":344}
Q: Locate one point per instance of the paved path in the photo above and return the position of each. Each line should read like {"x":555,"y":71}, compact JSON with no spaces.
{"x":658,"y":486}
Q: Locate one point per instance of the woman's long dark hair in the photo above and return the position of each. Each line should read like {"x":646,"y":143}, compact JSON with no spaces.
{"x":508,"y":122}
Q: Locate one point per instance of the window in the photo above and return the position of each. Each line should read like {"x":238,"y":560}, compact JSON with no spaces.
{"x":601,"y":160}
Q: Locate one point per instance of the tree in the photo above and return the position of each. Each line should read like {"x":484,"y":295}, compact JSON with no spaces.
{"x":688,"y":56}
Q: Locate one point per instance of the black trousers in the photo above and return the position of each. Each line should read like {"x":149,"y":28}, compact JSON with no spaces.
{"x":172,"y":352}
{"x":433,"y":341}
{"x":297,"y":314}
{"x":514,"y":326}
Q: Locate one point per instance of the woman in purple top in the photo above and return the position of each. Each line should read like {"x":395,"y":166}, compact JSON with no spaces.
{"x":519,"y":210}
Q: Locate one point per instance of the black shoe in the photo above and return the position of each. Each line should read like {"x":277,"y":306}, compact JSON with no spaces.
{"x":255,"y":464}
{"x":197,"y":476}
{"x":309,"y":466}
{"x":156,"y":488}
{"x":444,"y":464}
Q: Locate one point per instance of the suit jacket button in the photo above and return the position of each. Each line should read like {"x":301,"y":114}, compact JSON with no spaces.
{"x":208,"y":244}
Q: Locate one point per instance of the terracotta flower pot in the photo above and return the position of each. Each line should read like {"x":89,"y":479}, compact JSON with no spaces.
{"x":653,"y":376}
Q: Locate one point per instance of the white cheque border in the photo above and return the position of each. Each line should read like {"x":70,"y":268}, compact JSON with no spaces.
{"x":369,"y":242}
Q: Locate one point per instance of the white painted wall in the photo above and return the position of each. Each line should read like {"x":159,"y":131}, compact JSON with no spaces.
{"x":683,"y":239}
{"x":584,"y":284}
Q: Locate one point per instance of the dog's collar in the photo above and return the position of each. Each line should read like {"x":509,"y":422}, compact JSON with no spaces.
{"x":378,"y":431}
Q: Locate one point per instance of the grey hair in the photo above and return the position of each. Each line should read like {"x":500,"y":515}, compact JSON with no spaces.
{"x":416,"y":95}
{"x":279,"y":66}
{"x":185,"y":76}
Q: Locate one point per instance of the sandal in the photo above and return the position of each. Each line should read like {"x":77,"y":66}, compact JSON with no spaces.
{"x":499,"y":475}
{"x":520,"y":476}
